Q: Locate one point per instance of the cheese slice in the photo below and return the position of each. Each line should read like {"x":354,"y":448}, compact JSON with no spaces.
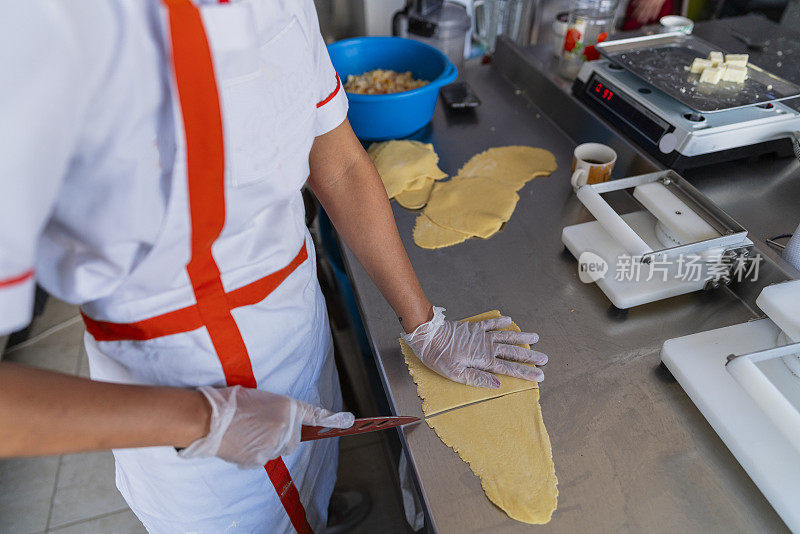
{"x":734,"y":74}
{"x":716,"y":58}
{"x":712,"y":75}
{"x":738,"y":60}
{"x":700,"y":64}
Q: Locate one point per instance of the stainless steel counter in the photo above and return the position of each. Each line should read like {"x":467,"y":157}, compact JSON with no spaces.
{"x":631,"y":451}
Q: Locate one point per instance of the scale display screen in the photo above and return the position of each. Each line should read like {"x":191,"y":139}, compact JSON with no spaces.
{"x":610,"y":98}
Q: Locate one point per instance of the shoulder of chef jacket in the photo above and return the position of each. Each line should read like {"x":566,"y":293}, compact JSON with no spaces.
{"x":70,"y":75}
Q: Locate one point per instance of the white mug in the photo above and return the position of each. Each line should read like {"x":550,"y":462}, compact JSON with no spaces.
{"x":592,"y":163}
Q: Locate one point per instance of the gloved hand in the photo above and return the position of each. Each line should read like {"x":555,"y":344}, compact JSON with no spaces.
{"x":470,"y":352}
{"x":250,"y":427}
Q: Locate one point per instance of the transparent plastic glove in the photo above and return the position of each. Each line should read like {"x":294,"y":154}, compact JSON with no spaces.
{"x":470,"y":352}
{"x":249,"y":427}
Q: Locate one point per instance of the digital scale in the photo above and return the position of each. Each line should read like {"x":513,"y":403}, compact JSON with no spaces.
{"x":641,"y":86}
{"x":745,"y":379}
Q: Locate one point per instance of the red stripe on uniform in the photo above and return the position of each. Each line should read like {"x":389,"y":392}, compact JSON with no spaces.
{"x":330,"y":96}
{"x":18,"y":279}
{"x":188,"y":318}
{"x":202,"y":120}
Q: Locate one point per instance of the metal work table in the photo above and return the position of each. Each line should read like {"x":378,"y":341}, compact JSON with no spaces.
{"x":631,"y":451}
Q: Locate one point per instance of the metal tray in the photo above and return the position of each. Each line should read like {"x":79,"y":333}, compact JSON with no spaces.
{"x":660,"y":60}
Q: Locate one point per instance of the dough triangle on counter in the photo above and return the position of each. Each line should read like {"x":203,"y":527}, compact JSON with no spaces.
{"x":412,"y":199}
{"x":428,"y":234}
{"x":404,"y":165}
{"x":474,"y":205}
{"x":439,"y":394}
{"x":505,"y":443}
{"x":513,"y":165}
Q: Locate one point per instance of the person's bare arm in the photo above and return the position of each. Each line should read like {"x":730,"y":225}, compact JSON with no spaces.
{"x":346,"y":183}
{"x":43,"y":412}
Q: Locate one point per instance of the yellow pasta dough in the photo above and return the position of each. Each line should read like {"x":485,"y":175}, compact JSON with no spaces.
{"x":505,"y":443}
{"x":413,"y":199}
{"x":428,"y":234}
{"x":439,"y":393}
{"x":513,"y":165}
{"x":405,"y":165}
{"x":476,"y":205}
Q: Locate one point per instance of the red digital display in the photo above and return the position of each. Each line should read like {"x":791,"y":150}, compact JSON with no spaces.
{"x":603,"y":92}
{"x":618,"y":104}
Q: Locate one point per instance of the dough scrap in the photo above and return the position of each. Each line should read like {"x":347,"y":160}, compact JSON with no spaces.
{"x":476,"y":205}
{"x":439,"y":393}
{"x":428,"y":234}
{"x":405,"y":165}
{"x":513,"y":165}
{"x":505,"y":443}
{"x":413,"y":199}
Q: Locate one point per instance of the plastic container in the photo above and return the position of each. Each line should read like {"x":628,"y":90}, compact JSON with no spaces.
{"x":589,"y":22}
{"x":396,"y":115}
{"x":452,"y":24}
{"x":559,"y":32}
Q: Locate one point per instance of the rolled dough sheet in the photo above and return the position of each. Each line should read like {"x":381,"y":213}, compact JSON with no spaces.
{"x":413,"y":199}
{"x":514,"y":165}
{"x":428,"y":234}
{"x":439,"y":393}
{"x":405,"y":165}
{"x":476,"y":205}
{"x":505,"y":443}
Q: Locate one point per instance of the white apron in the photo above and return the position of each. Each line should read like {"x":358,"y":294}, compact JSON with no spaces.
{"x":192,"y":261}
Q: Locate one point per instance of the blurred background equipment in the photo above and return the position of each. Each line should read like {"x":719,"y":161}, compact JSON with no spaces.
{"x":443,"y":25}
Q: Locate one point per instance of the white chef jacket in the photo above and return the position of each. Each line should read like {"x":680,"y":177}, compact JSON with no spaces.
{"x":95,"y":208}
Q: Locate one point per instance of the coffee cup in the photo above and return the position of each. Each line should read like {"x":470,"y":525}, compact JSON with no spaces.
{"x":592,"y":163}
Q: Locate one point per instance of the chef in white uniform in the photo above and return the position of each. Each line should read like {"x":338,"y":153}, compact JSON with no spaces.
{"x":153,"y":154}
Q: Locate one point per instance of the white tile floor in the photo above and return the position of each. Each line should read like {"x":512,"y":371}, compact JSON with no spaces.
{"x":76,"y":493}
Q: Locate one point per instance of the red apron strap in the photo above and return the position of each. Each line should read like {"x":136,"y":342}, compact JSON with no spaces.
{"x":202,"y":122}
{"x":188,"y":318}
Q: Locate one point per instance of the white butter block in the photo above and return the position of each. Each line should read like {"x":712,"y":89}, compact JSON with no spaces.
{"x":716,"y":58}
{"x":734,"y":74}
{"x":738,"y":60}
{"x":699,"y":65}
{"x":712,"y":75}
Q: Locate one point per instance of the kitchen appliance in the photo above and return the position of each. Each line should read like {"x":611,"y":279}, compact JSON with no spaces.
{"x":679,"y":243}
{"x":396,"y":115}
{"x":360,"y":426}
{"x":589,"y":22}
{"x":443,"y":25}
{"x":642,"y":88}
{"x":745,"y":380}
{"x":516,"y":19}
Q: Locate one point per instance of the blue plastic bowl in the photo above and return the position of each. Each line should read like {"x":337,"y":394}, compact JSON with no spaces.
{"x":379,"y":117}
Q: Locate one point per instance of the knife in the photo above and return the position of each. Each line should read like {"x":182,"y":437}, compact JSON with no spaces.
{"x":360,"y":426}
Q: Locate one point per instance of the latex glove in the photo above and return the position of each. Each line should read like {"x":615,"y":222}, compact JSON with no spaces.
{"x":250,"y":427}
{"x":470,"y":352}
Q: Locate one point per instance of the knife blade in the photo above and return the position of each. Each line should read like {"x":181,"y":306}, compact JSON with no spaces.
{"x":360,"y":426}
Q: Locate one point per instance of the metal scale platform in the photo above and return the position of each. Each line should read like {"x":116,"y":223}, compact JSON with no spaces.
{"x":642,"y":87}
{"x":745,"y":379}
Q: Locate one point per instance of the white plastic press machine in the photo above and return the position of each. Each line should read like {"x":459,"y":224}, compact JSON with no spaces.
{"x":678,"y":243}
{"x":745,"y":379}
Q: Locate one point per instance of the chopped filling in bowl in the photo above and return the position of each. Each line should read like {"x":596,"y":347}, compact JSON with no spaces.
{"x":381,"y":82}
